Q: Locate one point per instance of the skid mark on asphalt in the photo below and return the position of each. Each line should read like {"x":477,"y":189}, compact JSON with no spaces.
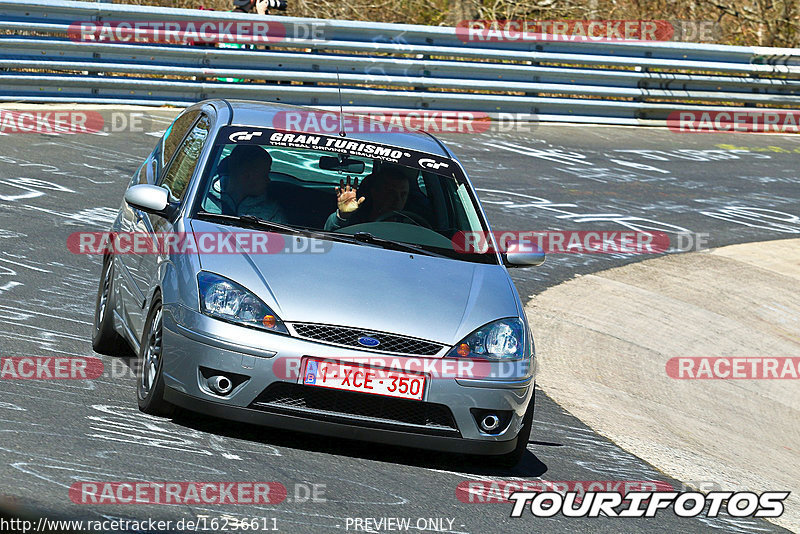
{"x":20,"y":264}
{"x":500,"y":197}
{"x":13,"y":313}
{"x":91,"y":151}
{"x":94,"y":217}
{"x":64,"y":473}
{"x":45,"y":343}
{"x":61,"y":386}
{"x":128,"y":425}
{"x":9,"y":286}
{"x":766,"y":219}
{"x":47,"y":334}
{"x":37,"y":400}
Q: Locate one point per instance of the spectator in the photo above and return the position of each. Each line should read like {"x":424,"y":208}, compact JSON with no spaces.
{"x":261,"y":7}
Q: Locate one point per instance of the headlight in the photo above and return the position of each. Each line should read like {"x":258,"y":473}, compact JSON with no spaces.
{"x":499,"y":340}
{"x":227,"y":300}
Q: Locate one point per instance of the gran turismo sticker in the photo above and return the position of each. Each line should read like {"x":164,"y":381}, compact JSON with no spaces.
{"x":431,"y":164}
{"x":235,"y":137}
{"x":340,"y":145}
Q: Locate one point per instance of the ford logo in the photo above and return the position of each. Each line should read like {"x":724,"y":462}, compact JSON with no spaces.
{"x":368,"y":341}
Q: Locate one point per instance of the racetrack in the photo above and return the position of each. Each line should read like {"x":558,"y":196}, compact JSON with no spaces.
{"x":606,"y":340}
{"x":556,"y":177}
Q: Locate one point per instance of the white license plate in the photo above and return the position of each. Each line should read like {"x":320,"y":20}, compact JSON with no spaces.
{"x":349,"y":377}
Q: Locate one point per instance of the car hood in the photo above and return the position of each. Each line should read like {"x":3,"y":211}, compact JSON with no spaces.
{"x":368,"y":287}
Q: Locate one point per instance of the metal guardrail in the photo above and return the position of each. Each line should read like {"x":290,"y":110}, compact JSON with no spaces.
{"x":384,"y":65}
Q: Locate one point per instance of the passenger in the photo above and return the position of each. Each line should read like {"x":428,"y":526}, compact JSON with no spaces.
{"x":387,"y":193}
{"x":246,"y":190}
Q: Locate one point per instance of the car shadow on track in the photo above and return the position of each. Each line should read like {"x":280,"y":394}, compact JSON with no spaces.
{"x":529,"y":466}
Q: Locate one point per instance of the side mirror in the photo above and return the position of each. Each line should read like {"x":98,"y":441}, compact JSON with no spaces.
{"x":523,"y":255}
{"x":150,"y":199}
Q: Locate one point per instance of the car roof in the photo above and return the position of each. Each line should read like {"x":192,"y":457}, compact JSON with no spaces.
{"x":260,"y":114}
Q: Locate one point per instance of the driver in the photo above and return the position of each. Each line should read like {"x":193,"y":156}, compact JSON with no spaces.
{"x":387,"y":194}
{"x":247,"y":187}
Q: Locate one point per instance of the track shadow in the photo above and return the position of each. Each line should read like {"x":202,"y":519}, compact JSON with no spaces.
{"x":529,"y":466}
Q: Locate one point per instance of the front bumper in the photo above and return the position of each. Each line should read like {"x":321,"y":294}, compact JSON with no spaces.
{"x":195,"y":345}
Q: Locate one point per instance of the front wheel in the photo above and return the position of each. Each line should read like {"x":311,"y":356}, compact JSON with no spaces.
{"x":150,"y":368}
{"x":106,"y":340}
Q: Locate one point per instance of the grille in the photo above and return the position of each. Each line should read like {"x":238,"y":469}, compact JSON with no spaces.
{"x":342,"y":335}
{"x":361,"y":409}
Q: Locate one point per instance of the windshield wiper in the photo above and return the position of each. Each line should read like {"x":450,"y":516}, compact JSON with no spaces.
{"x":371,"y":239}
{"x":358,"y":237}
{"x":252,"y":220}
{"x":366,"y":237}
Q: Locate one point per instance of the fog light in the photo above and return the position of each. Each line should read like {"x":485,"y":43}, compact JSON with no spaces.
{"x":220,"y":385}
{"x":490,"y":423}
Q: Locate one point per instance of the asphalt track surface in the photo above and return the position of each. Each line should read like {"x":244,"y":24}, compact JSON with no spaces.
{"x":54,"y":433}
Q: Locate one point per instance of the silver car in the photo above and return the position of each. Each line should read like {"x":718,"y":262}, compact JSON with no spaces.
{"x":314,"y":281}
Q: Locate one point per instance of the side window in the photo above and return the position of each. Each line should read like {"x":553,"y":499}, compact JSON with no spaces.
{"x":174,"y":135}
{"x":179,"y":173}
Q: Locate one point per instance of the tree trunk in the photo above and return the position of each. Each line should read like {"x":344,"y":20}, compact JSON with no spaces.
{"x":457,"y":11}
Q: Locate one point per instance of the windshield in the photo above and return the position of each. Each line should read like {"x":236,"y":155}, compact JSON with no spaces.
{"x":336,"y":187}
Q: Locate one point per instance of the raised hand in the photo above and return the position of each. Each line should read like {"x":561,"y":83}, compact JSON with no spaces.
{"x":262,"y":7}
{"x":346,"y":197}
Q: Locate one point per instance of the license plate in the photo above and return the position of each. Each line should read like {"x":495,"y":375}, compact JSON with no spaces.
{"x":349,"y":377}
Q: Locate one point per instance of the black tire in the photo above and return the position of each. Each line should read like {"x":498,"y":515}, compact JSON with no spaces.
{"x":150,"y":364}
{"x":510,"y":460}
{"x":106,"y":340}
